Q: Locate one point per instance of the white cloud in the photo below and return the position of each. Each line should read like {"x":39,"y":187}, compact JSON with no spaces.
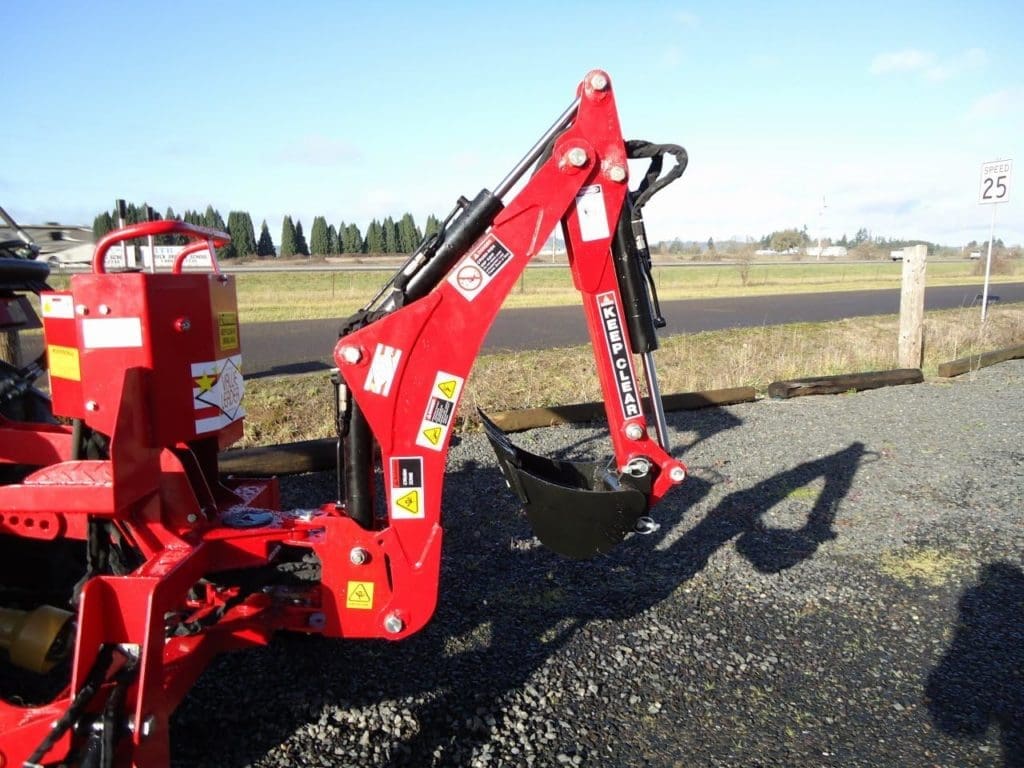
{"x":687,"y":19}
{"x":316,"y":149}
{"x":910,"y":60}
{"x":927,"y":64}
{"x":997,"y":104}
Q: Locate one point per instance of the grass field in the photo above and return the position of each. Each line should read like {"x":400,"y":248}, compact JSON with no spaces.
{"x":300,"y":407}
{"x":298,"y":295}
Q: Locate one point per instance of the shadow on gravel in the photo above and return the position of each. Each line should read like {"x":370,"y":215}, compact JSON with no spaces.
{"x":980,"y":681}
{"x":506,"y":608}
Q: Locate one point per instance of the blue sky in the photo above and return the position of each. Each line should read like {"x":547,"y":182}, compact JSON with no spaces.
{"x":363,"y":110}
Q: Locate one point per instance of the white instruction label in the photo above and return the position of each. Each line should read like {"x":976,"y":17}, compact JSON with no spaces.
{"x":440,"y":411}
{"x":592,"y":213}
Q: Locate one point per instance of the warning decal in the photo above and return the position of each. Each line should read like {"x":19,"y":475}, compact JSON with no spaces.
{"x":64,"y":362}
{"x":592,"y":213}
{"x":227,"y":330}
{"x":59,"y":305}
{"x":622,"y":362}
{"x":217,"y":389}
{"x":407,"y":501}
{"x":359,"y":595}
{"x":478,"y":267}
{"x":440,"y":411}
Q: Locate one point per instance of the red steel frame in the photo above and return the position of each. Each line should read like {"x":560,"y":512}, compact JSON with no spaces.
{"x":160,"y":486}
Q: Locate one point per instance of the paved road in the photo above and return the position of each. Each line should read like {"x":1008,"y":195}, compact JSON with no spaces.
{"x":298,"y":346}
{"x":306,"y":345}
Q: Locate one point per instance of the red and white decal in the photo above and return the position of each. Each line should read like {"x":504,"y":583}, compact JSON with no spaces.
{"x":407,"y":500}
{"x":383,"y":368}
{"x":440,"y":411}
{"x":622,"y":361}
{"x":478,"y":267}
{"x":217,"y":389}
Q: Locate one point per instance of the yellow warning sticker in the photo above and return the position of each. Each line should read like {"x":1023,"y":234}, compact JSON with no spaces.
{"x":448,"y":388}
{"x":359,"y":595}
{"x":433,"y":435}
{"x":227,"y":330}
{"x":64,"y":362}
{"x":410,"y":502}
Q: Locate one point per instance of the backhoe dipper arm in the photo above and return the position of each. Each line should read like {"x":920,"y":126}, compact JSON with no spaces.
{"x":405,"y":367}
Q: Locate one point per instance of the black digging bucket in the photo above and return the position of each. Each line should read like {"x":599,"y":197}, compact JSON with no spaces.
{"x":578,"y":509}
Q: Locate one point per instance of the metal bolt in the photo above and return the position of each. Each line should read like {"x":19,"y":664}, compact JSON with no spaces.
{"x":317,"y":620}
{"x":103,"y":309}
{"x":634,"y":431}
{"x":191,"y":517}
{"x":92,"y":405}
{"x":358,"y":556}
{"x":638,"y":467}
{"x":598,"y":81}
{"x":182,"y":324}
{"x":617,"y":173}
{"x":81,"y":309}
{"x":677,"y":474}
{"x":393,"y":624}
{"x":351,"y":355}
{"x":577,"y":157}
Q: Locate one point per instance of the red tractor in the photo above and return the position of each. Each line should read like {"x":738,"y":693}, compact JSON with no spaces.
{"x":127,"y":561}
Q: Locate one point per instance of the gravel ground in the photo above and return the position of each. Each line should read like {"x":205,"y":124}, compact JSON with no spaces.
{"x":839,"y":583}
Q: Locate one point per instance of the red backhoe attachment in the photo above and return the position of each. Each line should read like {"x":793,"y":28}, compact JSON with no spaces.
{"x":127,"y":561}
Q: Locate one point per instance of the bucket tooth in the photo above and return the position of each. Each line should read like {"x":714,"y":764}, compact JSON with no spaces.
{"x":578,"y":509}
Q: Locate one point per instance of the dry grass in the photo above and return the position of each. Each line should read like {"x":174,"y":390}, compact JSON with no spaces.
{"x":293,"y":408}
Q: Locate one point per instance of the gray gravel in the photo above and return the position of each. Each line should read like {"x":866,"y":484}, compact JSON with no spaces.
{"x":839,"y":583}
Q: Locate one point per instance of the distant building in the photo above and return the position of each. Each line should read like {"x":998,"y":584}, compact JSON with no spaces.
{"x":829,"y":251}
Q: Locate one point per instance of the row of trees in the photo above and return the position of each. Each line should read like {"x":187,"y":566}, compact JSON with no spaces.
{"x":387,"y":236}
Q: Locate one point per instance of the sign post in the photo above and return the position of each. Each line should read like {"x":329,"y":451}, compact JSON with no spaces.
{"x":994,"y":189}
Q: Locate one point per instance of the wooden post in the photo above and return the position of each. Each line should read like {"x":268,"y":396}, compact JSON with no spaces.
{"x":911,"y":338}
{"x":10,"y":347}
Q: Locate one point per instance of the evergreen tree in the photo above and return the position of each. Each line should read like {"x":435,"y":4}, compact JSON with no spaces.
{"x":390,"y":236}
{"x":374,"y":238}
{"x":409,"y":235}
{"x":212,"y":219}
{"x":433,"y":226}
{"x":319,"y":238}
{"x":243,"y":240}
{"x":301,"y":247}
{"x":102,"y":224}
{"x":352,"y":242}
{"x":288,"y":241}
{"x":171,"y":239}
{"x":265,"y":247}
{"x":333,"y":246}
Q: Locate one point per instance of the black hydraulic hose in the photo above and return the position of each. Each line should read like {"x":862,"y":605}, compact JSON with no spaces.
{"x":460,"y":235}
{"x":358,"y":485}
{"x":636,"y":298}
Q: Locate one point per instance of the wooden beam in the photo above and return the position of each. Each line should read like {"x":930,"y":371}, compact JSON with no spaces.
{"x":319,"y":455}
{"x":972,"y":363}
{"x":530,"y":418}
{"x":834,"y":385}
{"x":283,"y":459}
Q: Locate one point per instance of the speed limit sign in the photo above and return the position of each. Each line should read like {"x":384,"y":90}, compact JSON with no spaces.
{"x":995,"y":182}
